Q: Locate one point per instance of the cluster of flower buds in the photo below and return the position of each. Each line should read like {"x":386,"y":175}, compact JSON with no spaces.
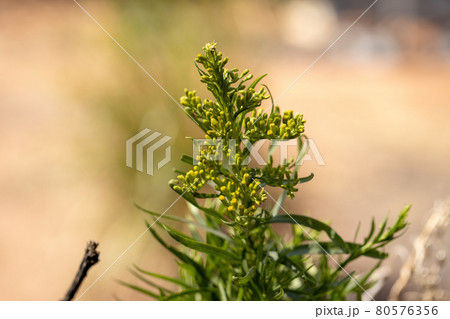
{"x":208,"y":115}
{"x":198,"y":176}
{"x":240,"y":196}
{"x":249,"y":99}
{"x":217,"y":78}
{"x":273,"y":126}
{"x":281,"y":176}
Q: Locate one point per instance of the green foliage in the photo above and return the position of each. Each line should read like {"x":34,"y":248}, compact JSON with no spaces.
{"x":232,"y":252}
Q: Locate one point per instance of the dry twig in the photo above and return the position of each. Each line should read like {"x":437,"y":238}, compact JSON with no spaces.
{"x":90,"y":259}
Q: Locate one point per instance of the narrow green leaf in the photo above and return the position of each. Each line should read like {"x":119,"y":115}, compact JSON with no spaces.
{"x":222,"y":293}
{"x":169,"y":279}
{"x":140,"y":289}
{"x":382,"y":228}
{"x":183,"y":257}
{"x":313,"y":224}
{"x":185,"y":293}
{"x":332,"y":249}
{"x":364,"y":280}
{"x":201,"y":247}
{"x":196,"y":213}
{"x":187,"y":159}
{"x":278,"y":204}
{"x":241,"y":281}
{"x":228,"y":223}
{"x":185,"y":221}
{"x":306,"y":178}
{"x":357,"y":231}
{"x":162,"y":290}
{"x":302,"y":150}
{"x":246,"y":110}
{"x":200,"y":71}
{"x":240,"y":294}
{"x":371,"y":232}
{"x":278,"y":295}
{"x":264,"y":217}
{"x":191,"y":199}
{"x":253,"y":85}
{"x":205,"y":195}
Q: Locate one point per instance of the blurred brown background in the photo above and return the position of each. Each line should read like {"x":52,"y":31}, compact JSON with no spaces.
{"x":377,"y":106}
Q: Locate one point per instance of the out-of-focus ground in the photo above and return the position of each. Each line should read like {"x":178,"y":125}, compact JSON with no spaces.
{"x":377,"y":106}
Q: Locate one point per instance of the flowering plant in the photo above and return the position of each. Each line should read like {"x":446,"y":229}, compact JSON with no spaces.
{"x":233,"y":252}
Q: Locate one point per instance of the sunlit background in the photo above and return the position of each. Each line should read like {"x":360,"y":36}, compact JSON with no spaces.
{"x":377,"y":105}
